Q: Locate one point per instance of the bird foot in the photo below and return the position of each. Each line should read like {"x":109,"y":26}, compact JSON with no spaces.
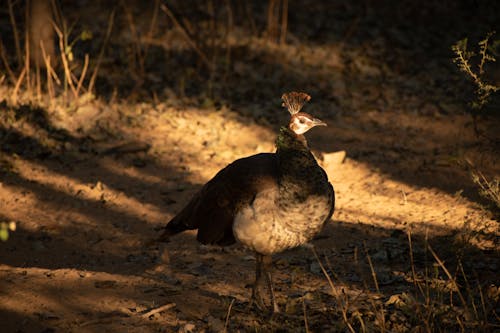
{"x":259,"y":303}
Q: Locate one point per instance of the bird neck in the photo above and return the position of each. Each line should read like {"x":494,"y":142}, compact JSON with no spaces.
{"x":297,"y":166}
{"x":288,"y":140}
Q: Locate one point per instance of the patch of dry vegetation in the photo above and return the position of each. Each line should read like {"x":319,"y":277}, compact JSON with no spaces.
{"x":437,"y":301}
{"x":488,"y":48}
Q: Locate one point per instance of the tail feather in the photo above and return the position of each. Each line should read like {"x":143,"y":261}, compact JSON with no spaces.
{"x":173,"y":228}
{"x":184,"y":220}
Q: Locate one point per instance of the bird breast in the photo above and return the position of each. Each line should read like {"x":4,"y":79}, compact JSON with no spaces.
{"x":268,"y":227}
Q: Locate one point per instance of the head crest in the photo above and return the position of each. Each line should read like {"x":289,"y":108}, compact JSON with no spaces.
{"x":294,"y":101}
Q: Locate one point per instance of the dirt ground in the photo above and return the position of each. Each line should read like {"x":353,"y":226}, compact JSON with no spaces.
{"x":90,"y":187}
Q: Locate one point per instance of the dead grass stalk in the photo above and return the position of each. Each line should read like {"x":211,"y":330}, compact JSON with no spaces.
{"x":111,"y":20}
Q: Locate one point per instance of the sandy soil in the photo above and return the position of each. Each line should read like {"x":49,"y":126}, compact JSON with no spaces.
{"x":86,"y":207}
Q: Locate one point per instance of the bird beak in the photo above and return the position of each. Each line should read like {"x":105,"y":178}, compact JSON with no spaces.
{"x":317,"y":122}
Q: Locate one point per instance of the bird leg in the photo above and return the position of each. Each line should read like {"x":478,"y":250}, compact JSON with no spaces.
{"x":256,"y":296}
{"x":268,"y":261}
{"x":263,"y":267}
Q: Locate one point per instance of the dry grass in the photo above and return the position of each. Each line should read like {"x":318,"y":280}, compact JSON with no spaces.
{"x":65,"y":87}
{"x":488,"y":188}
{"x":437,"y":303}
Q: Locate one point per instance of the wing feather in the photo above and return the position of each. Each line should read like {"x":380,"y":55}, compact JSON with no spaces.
{"x":213,"y":208}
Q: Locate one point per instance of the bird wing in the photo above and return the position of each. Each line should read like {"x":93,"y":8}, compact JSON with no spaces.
{"x":331,"y":193}
{"x":213,"y":208}
{"x":332,"y":207}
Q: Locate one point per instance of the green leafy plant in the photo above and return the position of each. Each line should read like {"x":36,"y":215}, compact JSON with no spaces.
{"x":5,"y":227}
{"x":463,"y":59}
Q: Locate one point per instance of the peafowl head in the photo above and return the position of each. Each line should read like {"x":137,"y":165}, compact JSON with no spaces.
{"x":300,"y":122}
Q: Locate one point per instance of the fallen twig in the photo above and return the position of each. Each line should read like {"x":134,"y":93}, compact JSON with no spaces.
{"x":158,"y":310}
{"x":228,"y":314}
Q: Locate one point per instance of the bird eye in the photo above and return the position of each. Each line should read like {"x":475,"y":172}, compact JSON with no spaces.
{"x":302,"y":121}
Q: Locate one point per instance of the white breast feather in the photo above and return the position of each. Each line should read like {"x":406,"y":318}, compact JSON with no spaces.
{"x":267,"y":228}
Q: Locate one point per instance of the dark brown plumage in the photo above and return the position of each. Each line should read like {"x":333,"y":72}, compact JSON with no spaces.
{"x":269,"y":202}
{"x":213,"y":208}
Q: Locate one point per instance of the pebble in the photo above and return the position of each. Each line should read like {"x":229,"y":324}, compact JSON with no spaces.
{"x":335,"y":158}
{"x":315,"y":268}
{"x":187,"y":328}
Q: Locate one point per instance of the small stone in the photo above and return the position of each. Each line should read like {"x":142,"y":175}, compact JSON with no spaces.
{"x":187,"y":328}
{"x":315,"y":268}
{"x":335,"y":158}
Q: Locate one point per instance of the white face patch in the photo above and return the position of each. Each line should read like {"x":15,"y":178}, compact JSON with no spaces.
{"x":303,"y":122}
{"x":300,"y":124}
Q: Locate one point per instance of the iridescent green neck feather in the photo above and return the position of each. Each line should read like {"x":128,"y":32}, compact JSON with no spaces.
{"x":287,"y":140}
